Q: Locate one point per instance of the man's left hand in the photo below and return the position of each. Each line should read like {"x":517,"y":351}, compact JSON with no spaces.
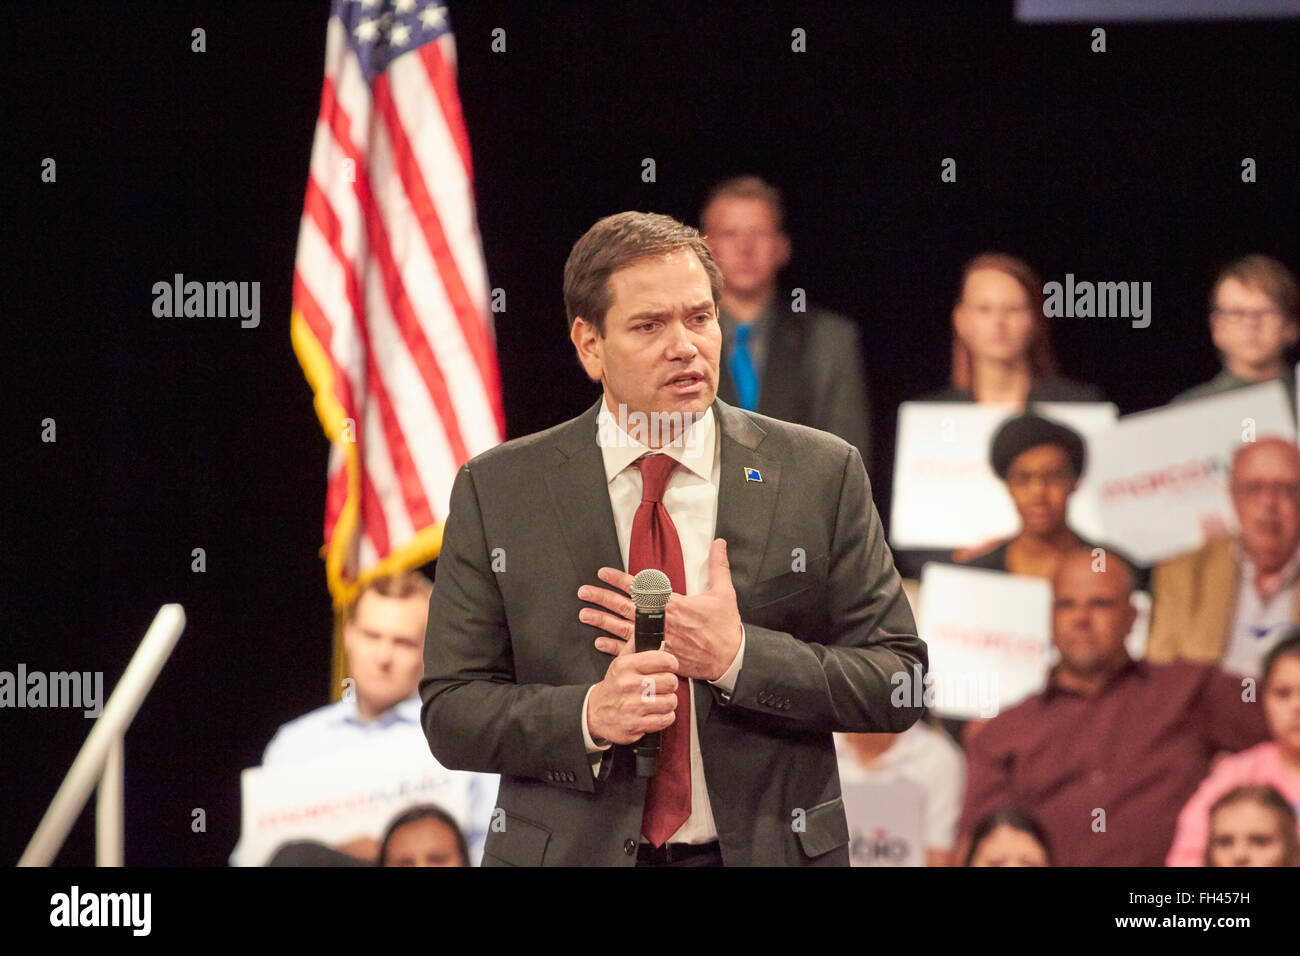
{"x":703,"y":631}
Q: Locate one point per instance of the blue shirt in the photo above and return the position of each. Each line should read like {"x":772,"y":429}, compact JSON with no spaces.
{"x":339,"y":726}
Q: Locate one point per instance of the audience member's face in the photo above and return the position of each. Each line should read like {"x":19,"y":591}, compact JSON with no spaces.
{"x":745,"y":243}
{"x":994,"y":318}
{"x":1040,"y":482}
{"x":1266,"y":496}
{"x":1007,"y":846}
{"x":662,"y":340}
{"x":1247,"y":325}
{"x":1091,"y":615}
{"x":1246,"y":834}
{"x":385,"y":647}
{"x":426,"y":842}
{"x":1282,"y":702}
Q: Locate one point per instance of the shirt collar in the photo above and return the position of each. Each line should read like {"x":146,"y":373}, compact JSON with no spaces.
{"x":1249,"y":570}
{"x":1131,"y":668}
{"x":406,"y":711}
{"x":762,"y":322}
{"x":694,"y":449}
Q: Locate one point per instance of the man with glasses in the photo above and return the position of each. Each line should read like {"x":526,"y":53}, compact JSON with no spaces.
{"x":1229,"y":601}
{"x":1253,"y":321}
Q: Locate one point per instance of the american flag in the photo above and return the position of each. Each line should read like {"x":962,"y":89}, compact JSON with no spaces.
{"x":390,"y":296}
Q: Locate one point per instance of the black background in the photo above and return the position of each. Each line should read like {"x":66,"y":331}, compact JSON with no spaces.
{"x":182,"y":433}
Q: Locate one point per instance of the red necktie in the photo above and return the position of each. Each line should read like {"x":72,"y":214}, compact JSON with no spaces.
{"x":655,"y":545}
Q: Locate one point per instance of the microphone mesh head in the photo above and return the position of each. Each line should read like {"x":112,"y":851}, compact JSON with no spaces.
{"x":651,"y":590}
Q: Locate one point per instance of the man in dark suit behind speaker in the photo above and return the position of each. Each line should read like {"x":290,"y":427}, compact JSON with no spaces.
{"x":787,"y":620}
{"x":780,"y":356}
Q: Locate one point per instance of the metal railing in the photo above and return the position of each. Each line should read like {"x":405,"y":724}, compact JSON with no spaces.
{"x":101,"y":758}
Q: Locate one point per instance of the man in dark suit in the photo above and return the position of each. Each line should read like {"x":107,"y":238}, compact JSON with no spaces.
{"x":781,"y":357}
{"x":787,"y":620}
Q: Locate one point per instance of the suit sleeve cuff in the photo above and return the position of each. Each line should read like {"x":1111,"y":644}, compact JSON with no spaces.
{"x":727,"y":682}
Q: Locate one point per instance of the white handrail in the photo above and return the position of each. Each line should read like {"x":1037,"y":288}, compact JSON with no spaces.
{"x":101,"y":754}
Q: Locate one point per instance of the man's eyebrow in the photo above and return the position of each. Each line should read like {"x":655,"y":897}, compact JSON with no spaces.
{"x":705,"y":305}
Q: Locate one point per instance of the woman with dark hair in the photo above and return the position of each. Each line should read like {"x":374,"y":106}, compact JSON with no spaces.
{"x":1008,"y":836}
{"x":424,"y":835}
{"x":1001,"y":352}
{"x":1252,"y":826}
{"x":1274,"y":763}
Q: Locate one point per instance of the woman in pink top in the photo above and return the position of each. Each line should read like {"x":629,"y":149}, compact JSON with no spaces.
{"x":1276,"y":762}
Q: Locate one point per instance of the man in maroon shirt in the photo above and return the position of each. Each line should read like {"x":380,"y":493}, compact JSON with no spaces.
{"x":1107,"y":755}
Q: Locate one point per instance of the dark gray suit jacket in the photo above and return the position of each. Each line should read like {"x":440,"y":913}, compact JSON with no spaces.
{"x":812,"y":375}
{"x":507,"y":663}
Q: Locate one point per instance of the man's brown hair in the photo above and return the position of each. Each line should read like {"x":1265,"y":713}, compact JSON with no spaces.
{"x":1041,"y":360}
{"x":1266,"y":274}
{"x":404,"y":585}
{"x":747,"y":187}
{"x":621,"y":240}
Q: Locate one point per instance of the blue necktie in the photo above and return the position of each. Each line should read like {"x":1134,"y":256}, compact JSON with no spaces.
{"x":741,"y":366}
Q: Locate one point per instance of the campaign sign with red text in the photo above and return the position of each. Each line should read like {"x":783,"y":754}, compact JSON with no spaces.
{"x":1161,"y":476}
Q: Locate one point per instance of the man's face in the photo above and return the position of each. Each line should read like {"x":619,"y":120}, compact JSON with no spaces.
{"x":745,"y":242}
{"x":385,"y":647}
{"x":1266,"y":495}
{"x":1246,"y":834}
{"x":1040,"y":482}
{"x":993,"y":317}
{"x":662,"y":342}
{"x":1091,"y":616}
{"x":426,"y":842}
{"x":1247,"y":326}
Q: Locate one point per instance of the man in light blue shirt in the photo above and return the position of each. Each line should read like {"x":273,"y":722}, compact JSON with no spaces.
{"x":383,"y":638}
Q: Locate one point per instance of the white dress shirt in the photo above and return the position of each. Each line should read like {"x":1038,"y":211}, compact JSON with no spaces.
{"x":1258,"y":624}
{"x":691,"y":499}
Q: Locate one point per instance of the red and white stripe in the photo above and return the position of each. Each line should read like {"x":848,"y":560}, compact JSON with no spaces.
{"x":390,"y":280}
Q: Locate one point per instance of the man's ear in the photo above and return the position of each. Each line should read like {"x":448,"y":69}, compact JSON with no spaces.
{"x":784,"y":251}
{"x":587,"y":343}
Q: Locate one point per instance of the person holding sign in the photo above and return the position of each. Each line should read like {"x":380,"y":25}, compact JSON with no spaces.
{"x":1230,"y":600}
{"x":1106,"y":755}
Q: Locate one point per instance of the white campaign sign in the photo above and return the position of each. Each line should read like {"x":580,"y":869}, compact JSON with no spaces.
{"x":1161,"y":476}
{"x":988,"y":633}
{"x":945,"y":492}
{"x":350,"y":793}
{"x":885,"y":827}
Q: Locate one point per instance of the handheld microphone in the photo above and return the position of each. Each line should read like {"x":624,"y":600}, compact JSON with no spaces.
{"x":650,"y":592}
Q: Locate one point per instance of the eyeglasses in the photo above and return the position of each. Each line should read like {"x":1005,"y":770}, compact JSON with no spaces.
{"x":1258,"y":489}
{"x":1053,"y":479}
{"x":1240,"y":316}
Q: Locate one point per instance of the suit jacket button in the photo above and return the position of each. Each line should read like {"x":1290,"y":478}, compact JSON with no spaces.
{"x":629,"y":847}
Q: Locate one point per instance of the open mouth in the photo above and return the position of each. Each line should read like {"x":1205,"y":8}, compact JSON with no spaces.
{"x":687,"y":381}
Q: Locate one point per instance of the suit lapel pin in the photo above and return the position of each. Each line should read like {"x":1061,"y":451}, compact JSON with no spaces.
{"x":751,"y":474}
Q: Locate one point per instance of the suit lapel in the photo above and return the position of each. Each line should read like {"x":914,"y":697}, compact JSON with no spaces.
{"x":580,"y":496}
{"x":745,"y":510}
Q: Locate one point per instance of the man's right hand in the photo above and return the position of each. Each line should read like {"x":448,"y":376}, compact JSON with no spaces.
{"x":638,"y":696}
